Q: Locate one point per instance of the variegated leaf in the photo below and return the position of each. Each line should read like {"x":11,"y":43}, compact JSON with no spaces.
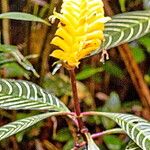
{"x":137,"y":128}
{"x":124,"y":28}
{"x":132,"y":146}
{"x":20,"y":125}
{"x":19,"y":94}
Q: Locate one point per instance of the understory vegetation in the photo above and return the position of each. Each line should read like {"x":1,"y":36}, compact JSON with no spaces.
{"x":74,"y":75}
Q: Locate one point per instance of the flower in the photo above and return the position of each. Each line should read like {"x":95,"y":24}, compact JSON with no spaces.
{"x":80,"y":30}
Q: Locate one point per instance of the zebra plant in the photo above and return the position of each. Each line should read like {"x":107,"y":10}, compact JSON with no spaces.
{"x":24,"y":95}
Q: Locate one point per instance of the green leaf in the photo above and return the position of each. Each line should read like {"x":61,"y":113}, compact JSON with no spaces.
{"x":7,"y":48}
{"x":128,"y":106}
{"x":122,"y":5}
{"x":94,"y":120}
{"x":145,"y":41}
{"x":19,"y":94}
{"x":132,"y":146}
{"x":138,"y":54}
{"x":125,"y":28}
{"x":20,"y":125}
{"x":13,"y":70}
{"x":108,"y":123}
{"x":63,"y":135}
{"x":113,"y":69}
{"x":88,"y":72}
{"x":112,"y":101}
{"x":13,"y":50}
{"x":69,"y":145}
{"x":136,"y":128}
{"x":147,"y":78}
{"x":57,"y":85}
{"x":22,"y":16}
{"x":113,"y":142}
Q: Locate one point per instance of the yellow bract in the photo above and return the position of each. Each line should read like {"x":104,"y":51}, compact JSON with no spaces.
{"x":80,"y":30}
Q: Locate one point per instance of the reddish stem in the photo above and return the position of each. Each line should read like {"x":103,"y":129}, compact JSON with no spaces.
{"x":76,"y":101}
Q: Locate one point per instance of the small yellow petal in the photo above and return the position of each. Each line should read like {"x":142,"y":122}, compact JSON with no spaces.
{"x":61,"y":43}
{"x":92,"y":43}
{"x":68,"y":28}
{"x":65,"y":35}
{"x":64,"y":19}
{"x":58,"y":54}
{"x":95,"y":25}
{"x":95,"y":35}
{"x":71,"y":19}
{"x":86,"y":51}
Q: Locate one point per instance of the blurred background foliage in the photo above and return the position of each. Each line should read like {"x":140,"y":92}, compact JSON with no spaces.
{"x":104,"y":87}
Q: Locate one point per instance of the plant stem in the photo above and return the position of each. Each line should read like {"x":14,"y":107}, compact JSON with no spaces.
{"x":93,"y":113}
{"x":76,"y":100}
{"x":111,"y":131}
{"x":5,"y":22}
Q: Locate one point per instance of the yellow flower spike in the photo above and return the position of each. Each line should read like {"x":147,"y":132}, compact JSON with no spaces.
{"x":80,"y":30}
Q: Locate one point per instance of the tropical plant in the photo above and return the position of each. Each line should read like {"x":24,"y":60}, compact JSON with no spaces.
{"x":80,"y":34}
